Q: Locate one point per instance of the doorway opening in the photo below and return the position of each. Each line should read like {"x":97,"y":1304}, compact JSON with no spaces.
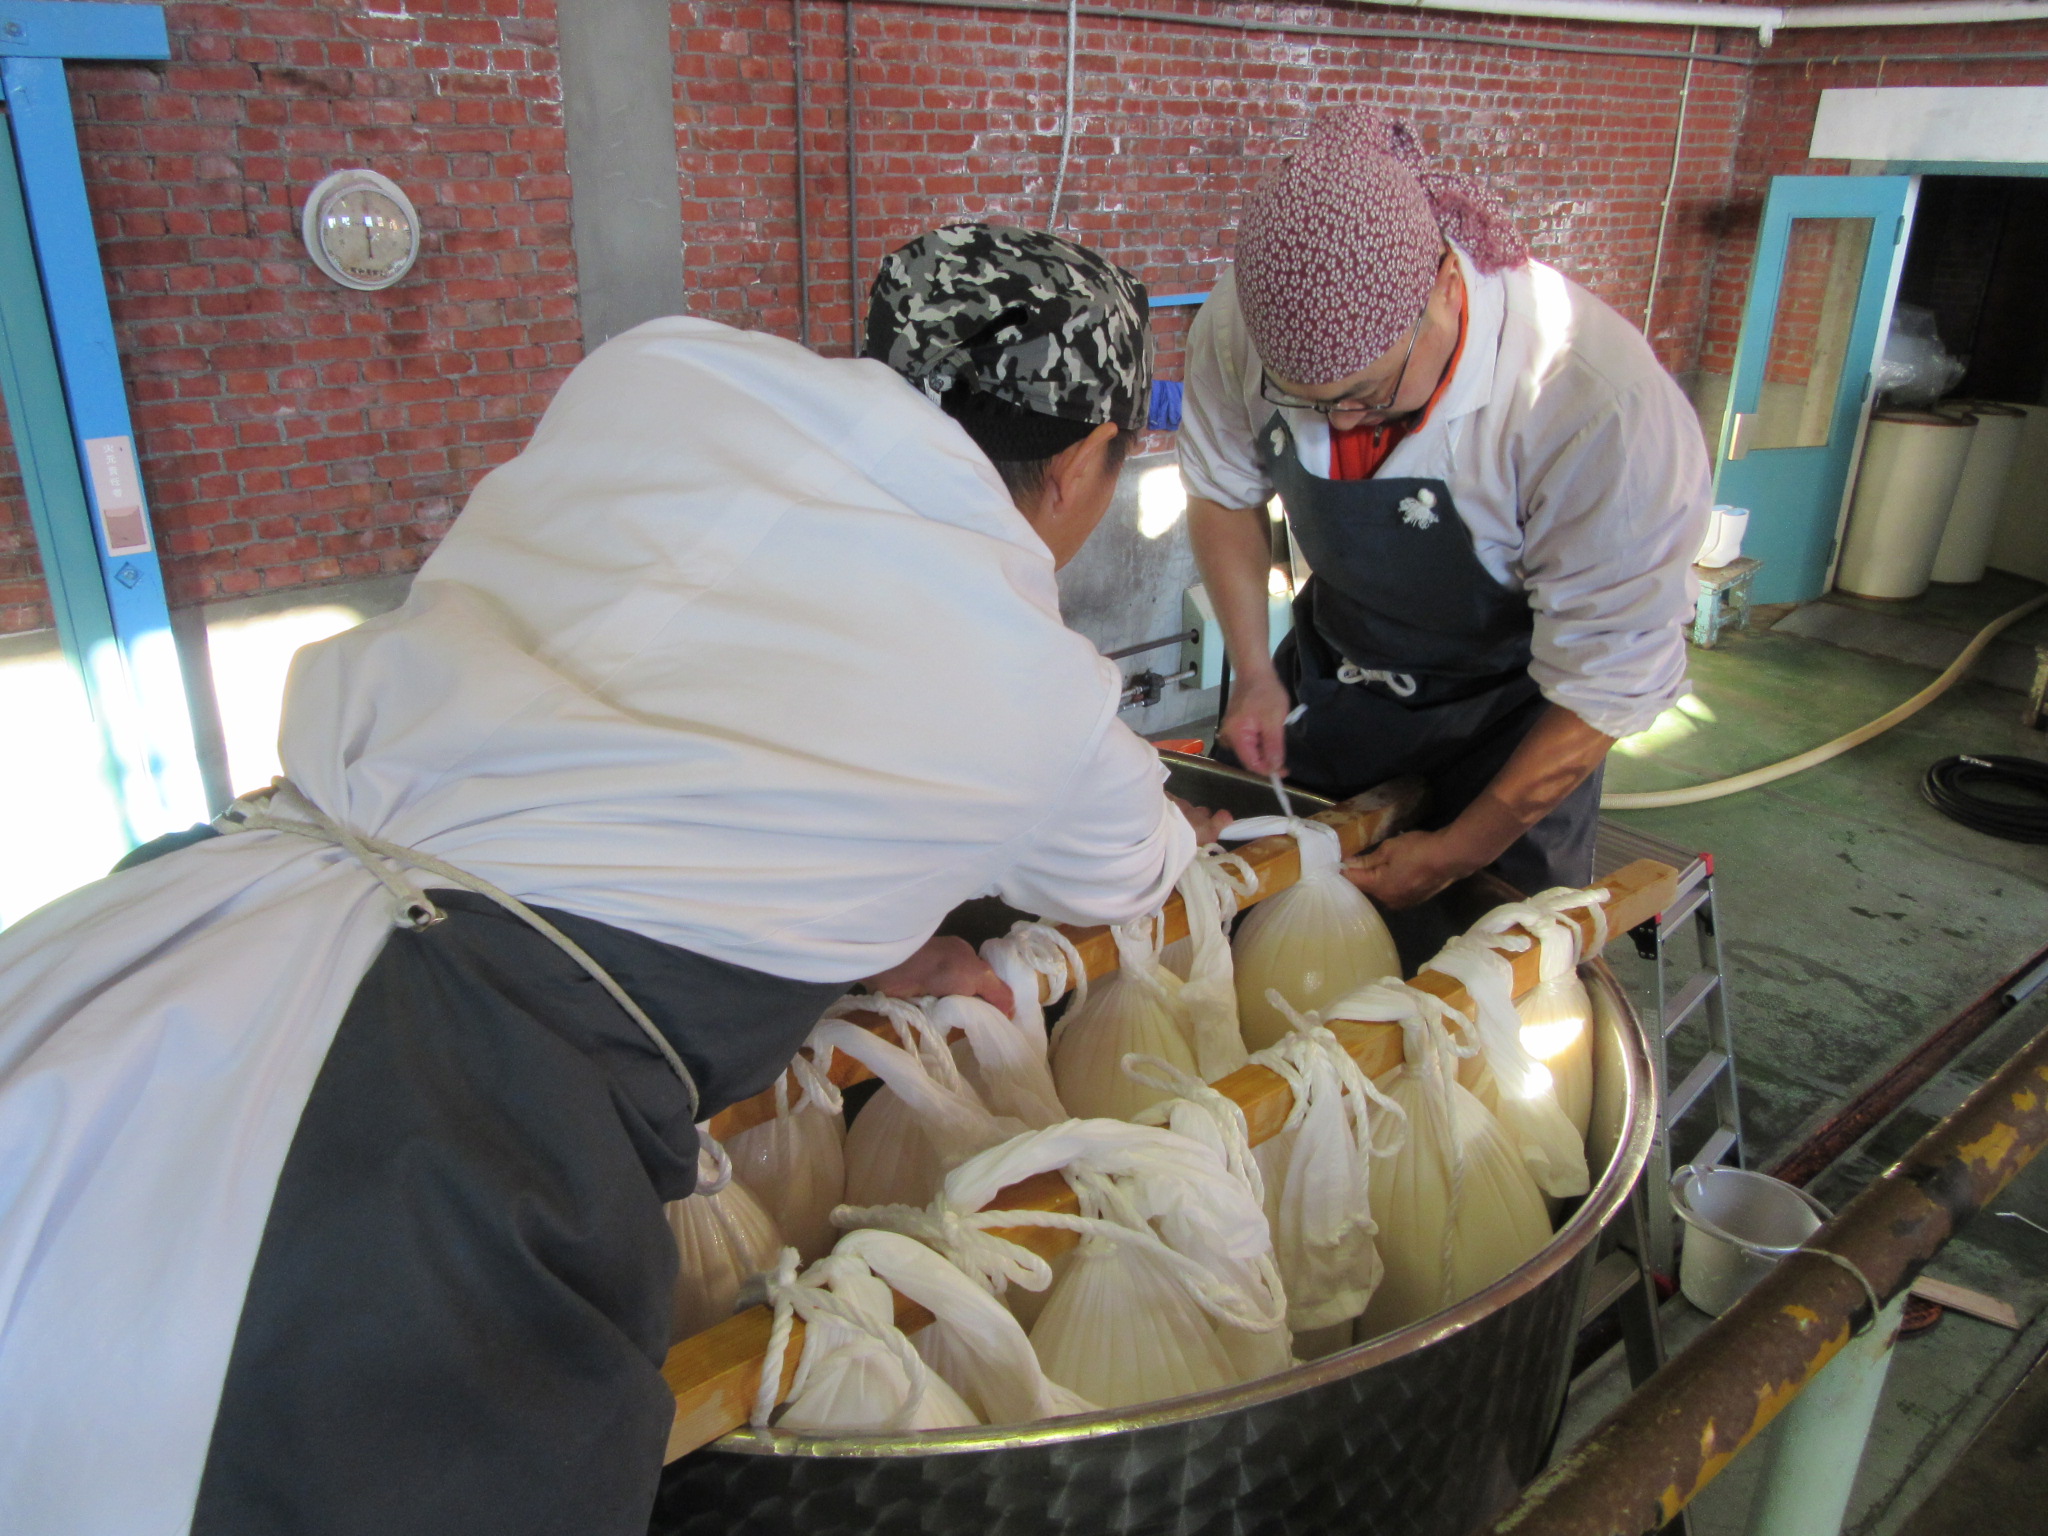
{"x":1977,"y":257}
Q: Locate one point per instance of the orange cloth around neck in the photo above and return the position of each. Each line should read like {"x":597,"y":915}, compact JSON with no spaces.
{"x":1356,"y":453}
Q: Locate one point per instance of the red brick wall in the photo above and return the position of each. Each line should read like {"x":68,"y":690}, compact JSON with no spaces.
{"x":1175,"y":126}
{"x":292,"y":431}
{"x":1784,"y":98}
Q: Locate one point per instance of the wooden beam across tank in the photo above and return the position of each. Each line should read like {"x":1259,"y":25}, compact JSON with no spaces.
{"x":1362,"y":822}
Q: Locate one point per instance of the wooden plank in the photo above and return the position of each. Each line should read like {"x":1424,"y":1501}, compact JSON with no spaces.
{"x":713,"y":1375}
{"x":1971,"y":1303}
{"x":1364,"y":821}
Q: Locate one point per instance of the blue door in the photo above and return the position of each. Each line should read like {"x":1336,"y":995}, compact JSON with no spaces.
{"x":1827,"y":266}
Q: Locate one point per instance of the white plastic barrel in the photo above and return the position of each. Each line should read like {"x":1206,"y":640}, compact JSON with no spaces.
{"x":1912,"y":463}
{"x":1973,"y":515}
{"x":2020,"y":543}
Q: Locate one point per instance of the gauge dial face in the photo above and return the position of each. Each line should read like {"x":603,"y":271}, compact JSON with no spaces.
{"x":361,"y":229}
{"x":366,"y":234}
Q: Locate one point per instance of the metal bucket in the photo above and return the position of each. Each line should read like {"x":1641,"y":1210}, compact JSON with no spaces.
{"x":1738,"y":1225}
{"x":1428,"y":1430}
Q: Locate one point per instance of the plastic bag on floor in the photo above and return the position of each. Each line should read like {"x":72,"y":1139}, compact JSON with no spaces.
{"x":858,"y":1374}
{"x":1313,"y":942}
{"x":795,"y":1164}
{"x":1456,"y":1205}
{"x":1318,"y":1178}
{"x":1134,"y":1011}
{"x":927,"y":1117}
{"x":1519,"y":1089}
{"x":723,"y":1239}
{"x":1557,"y":1013}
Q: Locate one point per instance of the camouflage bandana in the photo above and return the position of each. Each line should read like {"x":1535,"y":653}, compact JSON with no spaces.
{"x":1020,"y":319}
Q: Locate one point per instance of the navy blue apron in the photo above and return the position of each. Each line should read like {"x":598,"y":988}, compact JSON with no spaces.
{"x":1411,"y":657}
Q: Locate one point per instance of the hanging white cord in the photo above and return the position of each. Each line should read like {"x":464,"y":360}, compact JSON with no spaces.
{"x":384,"y":859}
{"x":1059,"y":186}
{"x":1280,"y":793}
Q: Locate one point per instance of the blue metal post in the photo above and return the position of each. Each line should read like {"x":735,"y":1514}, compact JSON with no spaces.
{"x":122,"y":643}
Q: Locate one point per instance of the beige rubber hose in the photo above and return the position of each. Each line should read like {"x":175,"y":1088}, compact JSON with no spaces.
{"x":1692,"y":794}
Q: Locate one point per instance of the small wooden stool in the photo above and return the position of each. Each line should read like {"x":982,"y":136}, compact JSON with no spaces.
{"x":1723,"y":599}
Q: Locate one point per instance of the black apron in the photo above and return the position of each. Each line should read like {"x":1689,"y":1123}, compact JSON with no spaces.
{"x":1411,"y":658}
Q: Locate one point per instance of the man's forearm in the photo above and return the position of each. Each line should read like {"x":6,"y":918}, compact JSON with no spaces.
{"x":1551,"y":761}
{"x":1234,"y":551}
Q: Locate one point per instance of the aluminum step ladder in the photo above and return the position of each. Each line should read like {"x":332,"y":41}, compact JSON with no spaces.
{"x":1696,"y":996}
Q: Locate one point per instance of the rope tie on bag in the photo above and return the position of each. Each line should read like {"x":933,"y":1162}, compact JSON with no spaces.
{"x":417,"y":911}
{"x":806,"y":1296}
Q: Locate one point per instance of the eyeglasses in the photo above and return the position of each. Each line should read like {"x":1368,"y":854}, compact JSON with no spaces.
{"x":1272,"y":394}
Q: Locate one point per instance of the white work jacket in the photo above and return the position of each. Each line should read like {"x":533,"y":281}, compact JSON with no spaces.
{"x":1572,"y":458}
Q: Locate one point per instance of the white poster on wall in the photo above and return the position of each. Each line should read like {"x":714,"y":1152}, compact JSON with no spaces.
{"x":1992,"y":123}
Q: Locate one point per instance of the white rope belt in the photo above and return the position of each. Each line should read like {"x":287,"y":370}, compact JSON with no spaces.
{"x":383,"y":859}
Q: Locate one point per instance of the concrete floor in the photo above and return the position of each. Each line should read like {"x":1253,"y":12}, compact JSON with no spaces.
{"x":1857,"y":919}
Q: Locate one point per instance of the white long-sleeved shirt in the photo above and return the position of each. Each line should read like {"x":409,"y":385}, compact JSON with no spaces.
{"x":1571,"y":455}
{"x":803,"y":683}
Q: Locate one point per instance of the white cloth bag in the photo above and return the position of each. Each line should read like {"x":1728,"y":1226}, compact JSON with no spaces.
{"x":1318,"y":1177}
{"x":926,"y":1119}
{"x":795,"y":1164}
{"x":1174,"y":1248}
{"x":1200,"y":1113}
{"x":1557,"y":1013}
{"x":1210,"y":888}
{"x":1313,"y":942}
{"x":1456,"y":1205}
{"x":1135,"y":1011}
{"x":974,"y":1344}
{"x":1520,"y":1090}
{"x":858,"y":1374}
{"x":724,"y":1238}
{"x":1175,"y":1251}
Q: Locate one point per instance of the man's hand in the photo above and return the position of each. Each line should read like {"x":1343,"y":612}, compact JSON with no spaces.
{"x":1548,"y":764}
{"x":1410,"y":868}
{"x":1255,"y":725}
{"x":1207,"y":823}
{"x":944,"y":967}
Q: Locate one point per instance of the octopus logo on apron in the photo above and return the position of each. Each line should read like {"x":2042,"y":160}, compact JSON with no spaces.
{"x":1419,"y":510}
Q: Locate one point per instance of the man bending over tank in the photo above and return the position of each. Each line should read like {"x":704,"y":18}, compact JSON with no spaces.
{"x":333,"y":1147}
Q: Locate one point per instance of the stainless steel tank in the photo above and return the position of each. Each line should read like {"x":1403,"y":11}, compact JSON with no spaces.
{"x":1426,"y":1431}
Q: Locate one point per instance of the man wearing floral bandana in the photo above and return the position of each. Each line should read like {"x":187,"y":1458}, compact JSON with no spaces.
{"x":1496,"y":486}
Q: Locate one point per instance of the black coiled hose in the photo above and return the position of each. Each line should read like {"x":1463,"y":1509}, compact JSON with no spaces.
{"x":2017,"y":810}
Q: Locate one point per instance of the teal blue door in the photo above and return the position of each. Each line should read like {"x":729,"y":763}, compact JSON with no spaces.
{"x":1827,"y":263}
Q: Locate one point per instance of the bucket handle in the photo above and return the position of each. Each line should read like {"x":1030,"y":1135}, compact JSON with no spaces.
{"x":1681,"y":1181}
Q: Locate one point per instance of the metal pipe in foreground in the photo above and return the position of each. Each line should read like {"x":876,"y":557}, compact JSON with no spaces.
{"x":1653,"y":1455}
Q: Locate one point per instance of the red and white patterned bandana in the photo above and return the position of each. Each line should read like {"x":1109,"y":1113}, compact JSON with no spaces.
{"x":1338,"y":249}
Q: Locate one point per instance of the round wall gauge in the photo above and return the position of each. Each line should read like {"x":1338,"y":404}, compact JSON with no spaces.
{"x":363,"y":232}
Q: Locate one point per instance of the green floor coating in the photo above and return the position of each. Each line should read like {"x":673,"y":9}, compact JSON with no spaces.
{"x":1964,"y":609}
{"x":1856,"y":919}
